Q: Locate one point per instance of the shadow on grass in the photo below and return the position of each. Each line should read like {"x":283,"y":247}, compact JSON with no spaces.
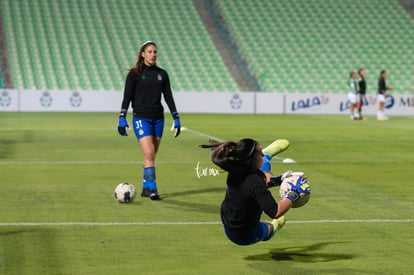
{"x":193,"y":192}
{"x":303,"y":254}
{"x":193,"y":205}
{"x":10,"y":139}
{"x":30,"y":250}
{"x":14,"y":232}
{"x":6,"y":148}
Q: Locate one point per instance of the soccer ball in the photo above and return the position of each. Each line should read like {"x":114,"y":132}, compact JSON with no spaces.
{"x":125,"y":192}
{"x":285,"y":188}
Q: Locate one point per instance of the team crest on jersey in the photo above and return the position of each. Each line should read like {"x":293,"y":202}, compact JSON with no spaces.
{"x":143,"y":76}
{"x":159,"y":77}
{"x":140,"y":131}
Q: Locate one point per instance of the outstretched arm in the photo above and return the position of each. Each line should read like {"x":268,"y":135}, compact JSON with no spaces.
{"x":282,"y":207}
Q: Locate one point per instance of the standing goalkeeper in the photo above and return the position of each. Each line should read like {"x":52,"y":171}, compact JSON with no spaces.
{"x":144,"y":86}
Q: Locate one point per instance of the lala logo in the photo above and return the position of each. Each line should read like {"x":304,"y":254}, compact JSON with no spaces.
{"x":307,"y":103}
{"x":368,"y":100}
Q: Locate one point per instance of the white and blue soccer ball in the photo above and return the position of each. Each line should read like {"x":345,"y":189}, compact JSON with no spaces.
{"x":125,"y":192}
{"x":285,"y":187}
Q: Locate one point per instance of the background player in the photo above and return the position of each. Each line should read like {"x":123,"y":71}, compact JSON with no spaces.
{"x":144,"y":85}
{"x":353,"y":95}
{"x":362,"y":85}
{"x":382,"y":93}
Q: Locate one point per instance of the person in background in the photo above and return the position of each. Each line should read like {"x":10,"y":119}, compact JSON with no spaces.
{"x":382,"y":93}
{"x":353,"y":95}
{"x":362,"y":85}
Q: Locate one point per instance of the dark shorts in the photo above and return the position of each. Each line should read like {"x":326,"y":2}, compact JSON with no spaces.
{"x":261,"y":234}
{"x":148,"y":127}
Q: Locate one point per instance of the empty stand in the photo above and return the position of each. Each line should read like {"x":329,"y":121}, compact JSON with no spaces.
{"x":311,"y":46}
{"x":90,"y":44}
{"x":292,"y":46}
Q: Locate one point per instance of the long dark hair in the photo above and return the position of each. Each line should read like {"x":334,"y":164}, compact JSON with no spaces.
{"x":137,"y":68}
{"x":234,"y":157}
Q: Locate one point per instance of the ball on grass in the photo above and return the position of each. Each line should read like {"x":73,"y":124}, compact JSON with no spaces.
{"x":125,"y":192}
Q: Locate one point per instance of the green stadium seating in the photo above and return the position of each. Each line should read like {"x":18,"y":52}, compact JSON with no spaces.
{"x":89,"y":45}
{"x":311,"y":46}
{"x":291,"y":45}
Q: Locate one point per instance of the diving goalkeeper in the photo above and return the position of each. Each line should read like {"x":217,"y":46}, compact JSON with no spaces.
{"x":247,"y":195}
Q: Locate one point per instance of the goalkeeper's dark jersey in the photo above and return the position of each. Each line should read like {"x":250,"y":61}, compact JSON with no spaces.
{"x":144,"y":92}
{"x":382,"y":85}
{"x":246,"y":198}
{"x":362,"y":85}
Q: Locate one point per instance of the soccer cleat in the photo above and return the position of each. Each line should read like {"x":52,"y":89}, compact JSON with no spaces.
{"x":278,"y":223}
{"x":145,"y":192}
{"x":276,"y":147}
{"x":356,"y":116}
{"x":154,"y":195}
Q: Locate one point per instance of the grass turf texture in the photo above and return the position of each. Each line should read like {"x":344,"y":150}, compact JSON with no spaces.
{"x":63,"y":168}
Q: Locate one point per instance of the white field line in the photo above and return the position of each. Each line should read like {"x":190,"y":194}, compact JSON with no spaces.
{"x":278,"y":159}
{"x":101,"y":162}
{"x":97,"y":162}
{"x":193,"y":223}
{"x":56,"y":129}
{"x":221,"y":140}
{"x":202,"y":134}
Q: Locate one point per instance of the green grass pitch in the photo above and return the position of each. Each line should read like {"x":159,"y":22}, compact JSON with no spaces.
{"x":59,"y":215}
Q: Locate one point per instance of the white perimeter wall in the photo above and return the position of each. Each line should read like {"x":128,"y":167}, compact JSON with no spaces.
{"x":202,"y":102}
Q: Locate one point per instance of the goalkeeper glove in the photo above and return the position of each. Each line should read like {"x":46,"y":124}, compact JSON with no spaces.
{"x":176,"y":124}
{"x":122,"y":124}
{"x":300,"y":187}
{"x":277,"y":180}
